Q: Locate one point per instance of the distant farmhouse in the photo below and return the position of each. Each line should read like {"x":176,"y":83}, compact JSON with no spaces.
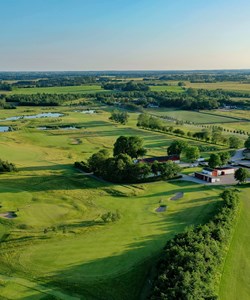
{"x":212,"y":175}
{"x":161,"y":159}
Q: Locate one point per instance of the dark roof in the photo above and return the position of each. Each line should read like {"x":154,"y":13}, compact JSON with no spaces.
{"x":208,"y":169}
{"x":159,"y":158}
{"x":206,"y":175}
{"x":224,"y":168}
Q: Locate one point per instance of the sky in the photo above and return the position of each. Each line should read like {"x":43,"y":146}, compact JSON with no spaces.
{"x":47,"y":35}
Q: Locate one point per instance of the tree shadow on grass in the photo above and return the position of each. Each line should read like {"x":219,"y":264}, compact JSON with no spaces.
{"x":52,"y":167}
{"x":51,"y":182}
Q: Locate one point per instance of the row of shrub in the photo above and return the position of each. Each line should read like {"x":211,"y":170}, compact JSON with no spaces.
{"x":190,"y":266}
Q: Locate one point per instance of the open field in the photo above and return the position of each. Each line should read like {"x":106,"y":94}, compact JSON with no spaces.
{"x":79,"y":255}
{"x":233,"y":113}
{"x":229,"y":86}
{"x":87,"y":89}
{"x":235,"y":282}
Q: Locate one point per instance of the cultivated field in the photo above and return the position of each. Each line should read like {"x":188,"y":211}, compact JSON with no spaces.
{"x":81,"y":89}
{"x":229,"y":86}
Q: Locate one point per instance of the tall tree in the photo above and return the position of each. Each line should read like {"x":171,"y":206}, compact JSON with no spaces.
{"x":97,"y":160}
{"x":176,"y":147}
{"x":214,"y":160}
{"x":192,"y":153}
{"x":224,"y":157}
{"x":234,"y":142}
{"x":119,"y":117}
{"x":247,"y":143}
{"x":241,"y":175}
{"x":133,"y":146}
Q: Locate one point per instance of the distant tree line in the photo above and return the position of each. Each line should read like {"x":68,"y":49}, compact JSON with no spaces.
{"x":126,"y":87}
{"x":191,"y":99}
{"x":41,"y":99}
{"x":122,"y":167}
{"x":206,"y":77}
{"x":191,"y":261}
{"x":56,"y":81}
{"x":5,"y":86}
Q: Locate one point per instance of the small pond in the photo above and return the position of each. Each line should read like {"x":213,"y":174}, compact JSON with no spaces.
{"x":58,"y":128}
{"x":88,"y":111}
{"x":42,"y":115}
{"x":4,"y":128}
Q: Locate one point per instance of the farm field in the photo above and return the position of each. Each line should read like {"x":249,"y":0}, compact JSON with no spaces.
{"x":88,"y":89}
{"x":48,"y":193}
{"x":229,"y":86}
{"x":235,"y":282}
{"x":191,"y":116}
{"x":234,"y":113}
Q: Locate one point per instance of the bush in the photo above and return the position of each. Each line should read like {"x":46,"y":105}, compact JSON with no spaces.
{"x":111,"y":216}
{"x":83,"y":166}
{"x":5,"y":166}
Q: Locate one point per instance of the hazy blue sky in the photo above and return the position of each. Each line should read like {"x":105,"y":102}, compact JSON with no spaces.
{"x":124,"y":34}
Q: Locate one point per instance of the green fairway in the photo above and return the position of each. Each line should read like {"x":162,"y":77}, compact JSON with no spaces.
{"x":90,"y":253}
{"x":79,"y":256}
{"x":58,"y":245}
{"x":235,"y":282}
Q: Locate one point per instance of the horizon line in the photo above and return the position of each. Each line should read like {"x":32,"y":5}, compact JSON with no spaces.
{"x":129,"y":70}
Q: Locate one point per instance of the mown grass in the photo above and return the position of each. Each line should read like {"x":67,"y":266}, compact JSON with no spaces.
{"x":235,"y":282}
{"x":48,"y":192}
{"x":82,"y":257}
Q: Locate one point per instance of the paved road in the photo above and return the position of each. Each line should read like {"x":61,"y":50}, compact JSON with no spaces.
{"x":238,"y":155}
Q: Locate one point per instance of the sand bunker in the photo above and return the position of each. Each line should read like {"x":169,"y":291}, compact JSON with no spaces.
{"x":177,"y":196}
{"x":161,"y":208}
{"x":75,"y":142}
{"x":8,"y":215}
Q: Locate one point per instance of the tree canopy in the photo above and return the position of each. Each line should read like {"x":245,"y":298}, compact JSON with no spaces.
{"x":241,"y":175}
{"x":247,"y":143}
{"x":176,"y":147}
{"x":119,"y":116}
{"x":132,"y":146}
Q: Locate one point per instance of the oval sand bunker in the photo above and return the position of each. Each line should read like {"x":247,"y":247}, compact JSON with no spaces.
{"x":177,"y":196}
{"x":161,"y":208}
{"x":8,"y":215}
